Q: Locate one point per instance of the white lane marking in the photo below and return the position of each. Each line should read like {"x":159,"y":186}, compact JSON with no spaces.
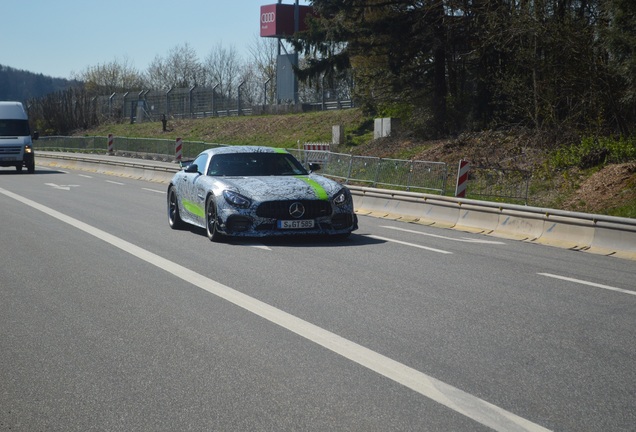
{"x":114,"y":182}
{"x":409,"y":244}
{"x":154,"y":190}
{"x":85,"y":176}
{"x":464,"y":239}
{"x":61,"y":187}
{"x":459,"y":401}
{"x":261,"y":247}
{"x":593,"y":284}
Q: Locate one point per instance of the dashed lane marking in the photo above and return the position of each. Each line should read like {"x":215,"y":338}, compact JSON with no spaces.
{"x":463,"y":239}
{"x":408,"y":244}
{"x":592,"y":284}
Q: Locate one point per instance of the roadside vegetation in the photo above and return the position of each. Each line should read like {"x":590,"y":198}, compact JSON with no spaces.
{"x":593,"y":175}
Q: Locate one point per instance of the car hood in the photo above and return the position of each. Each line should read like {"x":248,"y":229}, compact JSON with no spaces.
{"x":269,"y":188}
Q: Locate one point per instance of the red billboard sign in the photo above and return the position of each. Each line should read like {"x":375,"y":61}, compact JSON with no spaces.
{"x":277,"y":20}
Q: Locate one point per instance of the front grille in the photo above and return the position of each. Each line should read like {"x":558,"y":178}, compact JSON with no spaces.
{"x":342,"y":221}
{"x":280,"y":209}
{"x":10,"y":150}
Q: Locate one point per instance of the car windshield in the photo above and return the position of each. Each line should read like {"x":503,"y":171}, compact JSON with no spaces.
{"x":255,"y":164}
{"x":14,"y":128}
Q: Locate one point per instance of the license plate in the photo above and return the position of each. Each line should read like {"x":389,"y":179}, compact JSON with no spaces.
{"x":295,"y":224}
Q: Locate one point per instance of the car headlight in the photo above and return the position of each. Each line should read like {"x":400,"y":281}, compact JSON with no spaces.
{"x":236,"y":199}
{"x":342,"y":197}
{"x":27,"y":149}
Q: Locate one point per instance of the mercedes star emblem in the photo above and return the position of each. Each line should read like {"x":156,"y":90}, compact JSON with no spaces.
{"x":297,"y":210}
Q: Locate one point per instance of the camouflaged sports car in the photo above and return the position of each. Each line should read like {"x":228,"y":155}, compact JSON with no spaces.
{"x":257,"y":191}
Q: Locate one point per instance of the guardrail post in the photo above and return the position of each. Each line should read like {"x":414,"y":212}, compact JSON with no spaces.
{"x":111,"y":144}
{"x":178,"y":149}
{"x":238,"y":99}
{"x":350,"y":169}
{"x":408,"y":178}
{"x":377,"y":172}
{"x":462,"y":179}
{"x":190,"y":108}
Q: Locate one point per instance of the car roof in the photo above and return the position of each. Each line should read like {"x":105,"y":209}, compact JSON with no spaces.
{"x":244,"y":149}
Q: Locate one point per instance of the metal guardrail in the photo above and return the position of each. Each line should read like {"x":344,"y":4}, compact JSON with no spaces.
{"x":398,"y":174}
{"x":373,"y":171}
{"x":145,"y":148}
{"x":598,"y":234}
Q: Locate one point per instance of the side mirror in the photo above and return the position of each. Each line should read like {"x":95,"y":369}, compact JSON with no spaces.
{"x":36,"y":135}
{"x":192,"y":168}
{"x":313,"y":166}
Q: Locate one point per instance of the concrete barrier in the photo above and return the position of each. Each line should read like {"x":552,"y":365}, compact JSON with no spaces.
{"x":377,"y":206}
{"x":441,"y":214}
{"x":406,"y":206}
{"x":413,"y":210}
{"x":567,"y":233}
{"x":477,"y":219}
{"x":160,"y":172}
{"x":518,"y":226}
{"x":614,"y":240}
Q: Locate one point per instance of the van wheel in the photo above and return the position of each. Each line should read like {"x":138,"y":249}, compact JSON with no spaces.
{"x":31,"y":167}
{"x":18,"y":168}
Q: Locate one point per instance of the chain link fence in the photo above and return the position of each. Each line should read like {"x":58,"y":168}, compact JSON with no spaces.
{"x":370,"y":171}
{"x":199,"y":102}
{"x":402,"y":174}
{"x":399,"y":174}
{"x":499,"y":183}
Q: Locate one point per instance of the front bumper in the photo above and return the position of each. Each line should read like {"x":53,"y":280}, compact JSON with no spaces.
{"x":246,"y":225}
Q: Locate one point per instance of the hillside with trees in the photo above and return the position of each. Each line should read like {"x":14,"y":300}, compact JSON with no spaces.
{"x":450,"y":66}
{"x":20,"y":85}
{"x":443,"y":67}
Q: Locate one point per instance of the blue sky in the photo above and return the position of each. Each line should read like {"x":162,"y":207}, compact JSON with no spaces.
{"x":58,"y":37}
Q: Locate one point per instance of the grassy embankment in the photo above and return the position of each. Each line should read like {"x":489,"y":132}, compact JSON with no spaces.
{"x":560,"y":180}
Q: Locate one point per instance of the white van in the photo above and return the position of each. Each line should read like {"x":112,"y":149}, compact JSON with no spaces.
{"x":16,"y":145}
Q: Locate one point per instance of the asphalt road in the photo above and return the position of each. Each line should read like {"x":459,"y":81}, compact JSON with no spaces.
{"x":112,"y":321}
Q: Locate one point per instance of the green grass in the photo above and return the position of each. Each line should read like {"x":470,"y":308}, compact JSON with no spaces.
{"x":285,"y":131}
{"x":555,"y":178}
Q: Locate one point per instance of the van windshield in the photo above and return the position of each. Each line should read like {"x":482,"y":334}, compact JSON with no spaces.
{"x":10,"y":127}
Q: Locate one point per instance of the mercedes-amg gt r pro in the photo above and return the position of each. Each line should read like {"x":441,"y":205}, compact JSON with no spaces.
{"x":256,"y":192}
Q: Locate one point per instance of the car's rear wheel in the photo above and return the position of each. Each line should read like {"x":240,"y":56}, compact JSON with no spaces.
{"x":211,"y":220}
{"x":174,"y":218}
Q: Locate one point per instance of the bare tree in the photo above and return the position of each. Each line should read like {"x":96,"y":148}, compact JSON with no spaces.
{"x":114,"y":76}
{"x":223,"y":67}
{"x":263,"y":52}
{"x":180,"y":68}
{"x":156,"y":74}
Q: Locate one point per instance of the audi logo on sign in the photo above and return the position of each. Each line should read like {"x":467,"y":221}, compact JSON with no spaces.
{"x":268,"y":17}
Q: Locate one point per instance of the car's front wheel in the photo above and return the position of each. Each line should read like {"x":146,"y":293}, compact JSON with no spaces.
{"x":211,"y":220}
{"x":174,"y":218}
